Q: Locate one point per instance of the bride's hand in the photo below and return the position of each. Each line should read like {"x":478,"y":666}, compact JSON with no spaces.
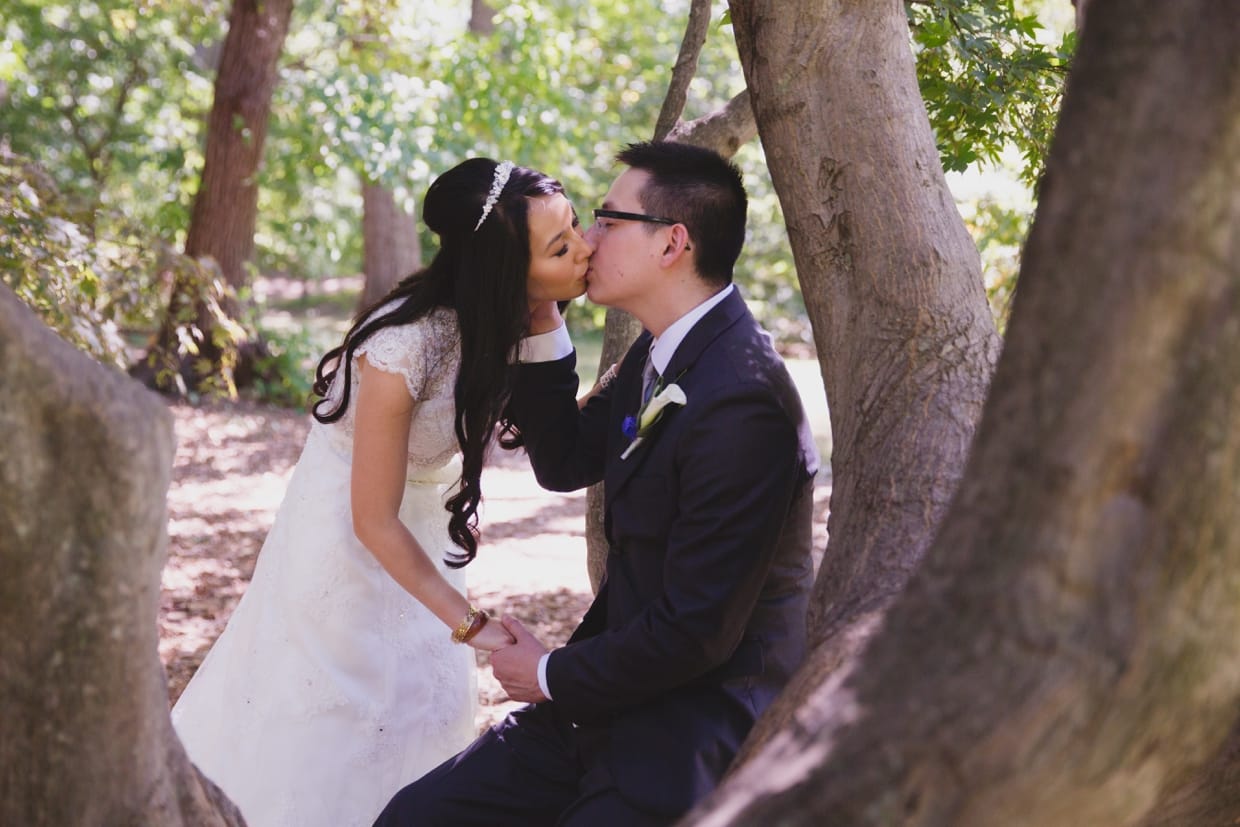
{"x":603,"y":381}
{"x":493,"y":636}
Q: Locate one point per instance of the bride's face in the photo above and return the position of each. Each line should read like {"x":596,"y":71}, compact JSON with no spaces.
{"x":559,"y":253}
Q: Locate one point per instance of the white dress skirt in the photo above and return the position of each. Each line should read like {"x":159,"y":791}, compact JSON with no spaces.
{"x":331,"y":687}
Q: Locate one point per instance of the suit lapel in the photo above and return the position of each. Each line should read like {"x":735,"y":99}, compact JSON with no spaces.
{"x":626,"y":399}
{"x":706,"y":331}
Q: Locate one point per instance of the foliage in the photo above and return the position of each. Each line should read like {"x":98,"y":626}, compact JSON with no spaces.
{"x":400,"y":95}
{"x":280,"y":371}
{"x":110,"y":97}
{"x":999,"y":232}
{"x":987,"y":80}
{"x":89,"y":290}
{"x":103,"y":294}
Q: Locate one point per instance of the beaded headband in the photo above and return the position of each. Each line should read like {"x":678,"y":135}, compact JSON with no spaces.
{"x":502,"y":171}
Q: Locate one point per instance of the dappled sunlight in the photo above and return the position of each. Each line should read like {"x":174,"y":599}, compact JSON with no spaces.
{"x":232,"y":466}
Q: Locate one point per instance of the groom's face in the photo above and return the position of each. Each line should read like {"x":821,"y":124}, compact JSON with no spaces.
{"x":624,"y":268}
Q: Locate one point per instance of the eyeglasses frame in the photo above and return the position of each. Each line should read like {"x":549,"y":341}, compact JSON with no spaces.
{"x":636,"y":216}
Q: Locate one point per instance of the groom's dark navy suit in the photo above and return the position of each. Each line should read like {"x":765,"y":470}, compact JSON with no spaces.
{"x":700,"y":620}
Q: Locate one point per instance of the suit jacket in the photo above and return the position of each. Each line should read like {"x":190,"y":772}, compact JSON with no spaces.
{"x":700,"y":618}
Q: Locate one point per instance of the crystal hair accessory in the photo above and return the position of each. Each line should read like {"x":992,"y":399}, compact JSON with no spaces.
{"x":502,"y":171}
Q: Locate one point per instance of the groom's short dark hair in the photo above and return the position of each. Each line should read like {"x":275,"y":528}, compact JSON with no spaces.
{"x":700,"y":189}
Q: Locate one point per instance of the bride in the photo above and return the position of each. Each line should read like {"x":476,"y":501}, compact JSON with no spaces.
{"x":341,"y":674}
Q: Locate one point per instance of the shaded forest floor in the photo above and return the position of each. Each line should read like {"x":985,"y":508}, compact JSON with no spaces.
{"x":232,"y":464}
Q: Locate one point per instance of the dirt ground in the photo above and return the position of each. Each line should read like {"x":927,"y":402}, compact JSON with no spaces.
{"x":232,"y":464}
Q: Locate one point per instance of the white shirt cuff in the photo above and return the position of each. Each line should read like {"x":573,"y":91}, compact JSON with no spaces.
{"x":542,"y":675}
{"x":545,"y":347}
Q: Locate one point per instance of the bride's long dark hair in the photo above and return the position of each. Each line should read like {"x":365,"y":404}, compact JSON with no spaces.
{"x":482,"y":276}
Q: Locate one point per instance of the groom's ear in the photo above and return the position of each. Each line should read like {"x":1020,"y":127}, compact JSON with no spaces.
{"x":677,"y":244}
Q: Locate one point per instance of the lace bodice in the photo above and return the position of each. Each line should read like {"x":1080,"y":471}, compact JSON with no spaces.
{"x":427,"y":354}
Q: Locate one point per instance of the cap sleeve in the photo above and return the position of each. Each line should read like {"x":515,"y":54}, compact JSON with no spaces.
{"x":399,"y":349}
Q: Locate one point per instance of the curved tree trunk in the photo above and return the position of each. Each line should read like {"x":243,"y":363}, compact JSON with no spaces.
{"x":891,"y":280}
{"x":892,"y":283}
{"x":1067,"y":652}
{"x":226,"y":207}
{"x":390,"y":244}
{"x":84,"y":466}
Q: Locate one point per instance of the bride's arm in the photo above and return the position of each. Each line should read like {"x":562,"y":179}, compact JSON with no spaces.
{"x":380,"y":448}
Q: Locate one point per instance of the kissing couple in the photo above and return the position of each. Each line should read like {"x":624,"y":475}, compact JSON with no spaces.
{"x":342,"y":689}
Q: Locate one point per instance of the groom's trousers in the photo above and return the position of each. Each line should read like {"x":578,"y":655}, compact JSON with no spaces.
{"x":531,"y":769}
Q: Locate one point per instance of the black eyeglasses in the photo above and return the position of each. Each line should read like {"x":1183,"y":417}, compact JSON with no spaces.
{"x":636,"y":216}
{"x":632,"y":216}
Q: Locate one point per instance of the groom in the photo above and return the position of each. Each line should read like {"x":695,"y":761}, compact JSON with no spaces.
{"x":700,"y":620}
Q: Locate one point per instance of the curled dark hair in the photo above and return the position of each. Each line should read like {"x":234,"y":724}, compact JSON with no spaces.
{"x":481,"y":275}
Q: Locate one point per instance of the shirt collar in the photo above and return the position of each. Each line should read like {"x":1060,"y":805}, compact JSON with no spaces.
{"x":663,"y":348}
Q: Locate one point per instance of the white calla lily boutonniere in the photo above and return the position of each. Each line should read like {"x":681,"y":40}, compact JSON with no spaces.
{"x":637,"y":427}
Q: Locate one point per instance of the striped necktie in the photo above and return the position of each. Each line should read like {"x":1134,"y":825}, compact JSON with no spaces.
{"x":650,"y":378}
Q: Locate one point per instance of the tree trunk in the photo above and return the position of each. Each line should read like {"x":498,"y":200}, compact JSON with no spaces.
{"x":1080,"y":13}
{"x":892,"y":284}
{"x":1067,"y":653}
{"x":1210,"y":797}
{"x":226,"y":207}
{"x":84,"y":465}
{"x":390,"y":243}
{"x":481,"y":17}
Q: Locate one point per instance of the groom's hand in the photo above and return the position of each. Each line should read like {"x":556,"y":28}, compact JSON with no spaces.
{"x":516,"y":666}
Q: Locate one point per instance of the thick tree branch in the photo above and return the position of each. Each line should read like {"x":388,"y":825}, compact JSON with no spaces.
{"x":725,"y":130}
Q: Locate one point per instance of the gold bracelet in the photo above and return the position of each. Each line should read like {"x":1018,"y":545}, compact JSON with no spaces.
{"x":458,"y":634}
{"x":476,"y":627}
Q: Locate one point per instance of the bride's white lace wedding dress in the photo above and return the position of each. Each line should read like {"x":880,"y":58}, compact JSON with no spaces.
{"x":331,"y":687}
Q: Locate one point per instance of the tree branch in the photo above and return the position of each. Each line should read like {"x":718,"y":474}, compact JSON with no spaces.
{"x":725,"y":130}
{"x":685,"y":68}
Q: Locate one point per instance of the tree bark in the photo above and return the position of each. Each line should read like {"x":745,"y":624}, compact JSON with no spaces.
{"x":725,"y":130}
{"x":696,"y":30}
{"x":1210,"y":797}
{"x":481,"y":17}
{"x":84,"y":466}
{"x":892,"y":284}
{"x":1080,"y":13}
{"x":390,"y":244}
{"x":1067,"y":652}
{"x":226,"y":206}
{"x":619,"y":331}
